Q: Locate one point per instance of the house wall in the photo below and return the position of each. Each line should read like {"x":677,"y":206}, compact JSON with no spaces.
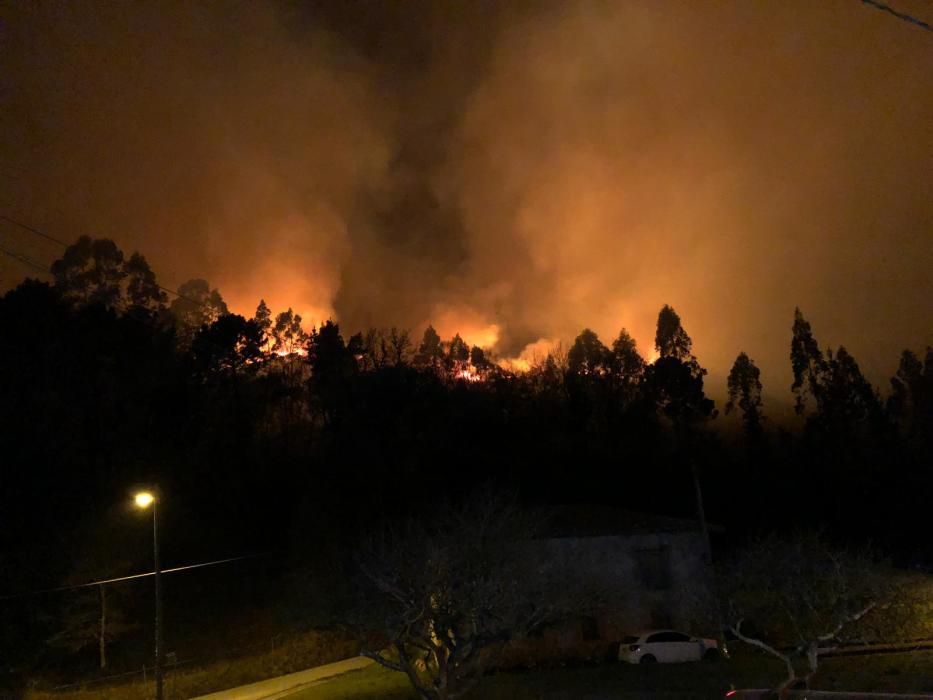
{"x":646,"y":581}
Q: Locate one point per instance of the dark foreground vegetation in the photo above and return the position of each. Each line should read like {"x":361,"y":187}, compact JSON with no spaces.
{"x":902,"y":673}
{"x":908,"y":672}
{"x":263,"y":439}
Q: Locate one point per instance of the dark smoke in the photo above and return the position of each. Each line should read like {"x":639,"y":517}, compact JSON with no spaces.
{"x":512,"y":171}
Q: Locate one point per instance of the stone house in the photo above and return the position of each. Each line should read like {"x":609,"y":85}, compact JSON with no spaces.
{"x":648,"y":571}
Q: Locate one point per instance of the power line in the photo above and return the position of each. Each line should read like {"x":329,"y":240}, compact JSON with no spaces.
{"x":36,"y":266}
{"x":33,"y":230}
{"x":25,"y":260}
{"x":130,"y":577}
{"x":900,"y":15}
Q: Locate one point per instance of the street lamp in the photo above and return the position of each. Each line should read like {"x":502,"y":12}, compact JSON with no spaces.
{"x":145,"y":499}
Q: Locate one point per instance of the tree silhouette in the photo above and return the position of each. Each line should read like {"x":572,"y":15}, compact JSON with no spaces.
{"x":588,"y":356}
{"x":142,"y":290}
{"x":197,"y":305}
{"x":399,"y":346}
{"x":671,"y":340}
{"x":375,"y":353}
{"x":628,"y":368}
{"x":458,"y":351}
{"x":806,"y":361}
{"x":844,"y":401}
{"x":548,"y":377}
{"x":627,"y":364}
{"x":381,"y":349}
{"x":263,"y":320}
{"x":744,"y":386}
{"x":430,"y":352}
{"x":230,"y":345}
{"x":478,"y":358}
{"x":677,"y":391}
{"x":458,"y":355}
{"x":332,"y":367}
{"x":911,"y":400}
{"x":675,"y":380}
{"x":288,"y":336}
{"x":91,"y":271}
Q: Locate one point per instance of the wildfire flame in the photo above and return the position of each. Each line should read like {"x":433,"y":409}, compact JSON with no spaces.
{"x":531,"y":355}
{"x":471,"y":326}
{"x":468,"y":374}
{"x":297,"y":352}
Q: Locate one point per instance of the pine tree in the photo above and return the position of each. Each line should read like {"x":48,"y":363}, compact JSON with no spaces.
{"x":744,"y":385}
{"x":588,"y":356}
{"x":671,"y":340}
{"x":807,"y":363}
{"x":263,"y":320}
{"x":430,"y":352}
{"x":627,"y":363}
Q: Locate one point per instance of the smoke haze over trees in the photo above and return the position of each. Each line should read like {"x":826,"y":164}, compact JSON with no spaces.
{"x":512,"y":172}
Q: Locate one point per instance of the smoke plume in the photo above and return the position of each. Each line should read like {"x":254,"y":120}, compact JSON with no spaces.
{"x":514,"y":172}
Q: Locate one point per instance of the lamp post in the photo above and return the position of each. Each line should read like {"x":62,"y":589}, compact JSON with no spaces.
{"x":145,"y":499}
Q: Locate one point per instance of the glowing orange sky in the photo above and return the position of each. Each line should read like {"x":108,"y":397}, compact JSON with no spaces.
{"x":514,"y":172}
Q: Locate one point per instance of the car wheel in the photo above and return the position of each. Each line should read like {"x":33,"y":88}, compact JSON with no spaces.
{"x":648,"y":659}
{"x":712,"y":655}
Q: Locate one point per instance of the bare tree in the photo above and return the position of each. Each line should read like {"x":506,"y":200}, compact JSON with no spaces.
{"x":399,"y":346}
{"x":800,"y":597}
{"x":90,"y":618}
{"x":448,"y":594}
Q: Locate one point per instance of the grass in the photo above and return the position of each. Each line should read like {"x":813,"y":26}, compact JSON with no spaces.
{"x":705,"y":680}
{"x":904,"y":673}
{"x":910,"y":672}
{"x":900,"y":673}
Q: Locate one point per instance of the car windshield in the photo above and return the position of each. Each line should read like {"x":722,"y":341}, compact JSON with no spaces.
{"x":629,"y":640}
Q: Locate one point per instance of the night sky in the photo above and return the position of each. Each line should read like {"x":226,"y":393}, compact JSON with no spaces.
{"x":512,"y":171}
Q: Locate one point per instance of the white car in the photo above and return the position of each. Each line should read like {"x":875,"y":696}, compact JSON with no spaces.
{"x":666,"y":647}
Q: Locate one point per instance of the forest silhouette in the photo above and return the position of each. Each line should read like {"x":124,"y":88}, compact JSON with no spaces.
{"x":265,"y":437}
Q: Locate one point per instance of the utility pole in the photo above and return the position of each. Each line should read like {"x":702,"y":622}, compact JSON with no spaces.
{"x":708,"y":555}
{"x":158,"y":599}
{"x":144,"y":499}
{"x":701,"y":513}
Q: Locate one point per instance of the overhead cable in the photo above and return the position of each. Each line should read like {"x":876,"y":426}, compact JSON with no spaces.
{"x":900,"y":15}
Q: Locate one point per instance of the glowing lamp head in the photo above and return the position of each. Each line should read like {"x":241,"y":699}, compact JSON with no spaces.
{"x":144,"y":499}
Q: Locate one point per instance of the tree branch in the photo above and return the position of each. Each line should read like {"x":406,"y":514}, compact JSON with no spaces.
{"x":848,"y":620}
{"x":791,"y":673}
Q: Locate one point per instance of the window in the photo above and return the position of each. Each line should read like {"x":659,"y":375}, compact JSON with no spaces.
{"x":654,"y":567}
